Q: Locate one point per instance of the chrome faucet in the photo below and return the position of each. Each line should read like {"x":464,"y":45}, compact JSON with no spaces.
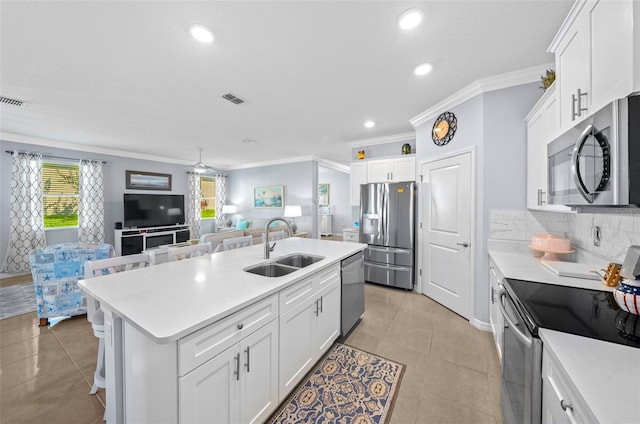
{"x":268,"y":248}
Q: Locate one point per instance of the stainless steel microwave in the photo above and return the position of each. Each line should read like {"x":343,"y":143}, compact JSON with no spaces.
{"x":597,"y":162}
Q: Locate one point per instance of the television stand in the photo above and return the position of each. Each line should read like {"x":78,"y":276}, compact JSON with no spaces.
{"x":129,"y":241}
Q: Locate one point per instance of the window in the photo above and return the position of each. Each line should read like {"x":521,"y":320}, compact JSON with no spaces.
{"x":207,"y":197}
{"x":60,"y":183}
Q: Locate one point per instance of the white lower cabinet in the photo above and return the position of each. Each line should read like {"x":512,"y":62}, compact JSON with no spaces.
{"x":561,"y":401}
{"x":238,"y":385}
{"x":495,"y":317}
{"x":309,"y":324}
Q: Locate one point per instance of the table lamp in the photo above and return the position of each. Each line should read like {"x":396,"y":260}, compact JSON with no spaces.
{"x":226,"y":211}
{"x":292,"y":211}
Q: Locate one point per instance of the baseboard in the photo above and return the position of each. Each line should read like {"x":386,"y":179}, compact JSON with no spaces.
{"x":480,"y":325}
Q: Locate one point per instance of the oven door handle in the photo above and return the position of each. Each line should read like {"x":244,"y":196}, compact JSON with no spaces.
{"x":527,"y":341}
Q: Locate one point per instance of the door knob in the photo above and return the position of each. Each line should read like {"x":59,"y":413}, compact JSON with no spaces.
{"x":465,"y":244}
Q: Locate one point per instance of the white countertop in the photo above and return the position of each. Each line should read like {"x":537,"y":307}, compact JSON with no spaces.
{"x":170,"y":300}
{"x":607,"y":375}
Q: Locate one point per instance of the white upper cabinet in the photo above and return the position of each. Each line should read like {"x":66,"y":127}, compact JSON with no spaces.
{"x":381,"y":171}
{"x":542,"y":127}
{"x":594,"y":58}
{"x":392,"y":170}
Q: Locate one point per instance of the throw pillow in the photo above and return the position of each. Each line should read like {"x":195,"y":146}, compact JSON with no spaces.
{"x":242,"y":225}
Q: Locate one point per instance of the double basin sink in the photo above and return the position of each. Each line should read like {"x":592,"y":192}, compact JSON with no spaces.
{"x":284,"y":265}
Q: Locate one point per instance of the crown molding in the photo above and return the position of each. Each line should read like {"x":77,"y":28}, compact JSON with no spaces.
{"x":324,"y":162}
{"x":484,"y":85}
{"x":19,"y":138}
{"x":407,"y":136}
{"x":334,"y":165}
{"x":566,"y":24}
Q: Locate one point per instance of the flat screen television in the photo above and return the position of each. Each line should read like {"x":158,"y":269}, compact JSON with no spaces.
{"x":153,"y":210}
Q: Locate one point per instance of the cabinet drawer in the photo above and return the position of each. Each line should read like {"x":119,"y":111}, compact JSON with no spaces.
{"x":350,"y":236}
{"x":299,"y":292}
{"x":199,"y":347}
{"x":562,"y":390}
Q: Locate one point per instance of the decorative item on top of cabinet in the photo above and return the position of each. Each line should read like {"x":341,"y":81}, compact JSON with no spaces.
{"x":361,"y":154}
{"x":548,"y":78}
{"x":594,"y":58}
{"x":406,"y":149}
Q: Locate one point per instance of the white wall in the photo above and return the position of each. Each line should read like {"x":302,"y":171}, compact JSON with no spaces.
{"x":339,"y":191}
{"x":300,"y":188}
{"x":114,"y":187}
{"x":493,"y":124}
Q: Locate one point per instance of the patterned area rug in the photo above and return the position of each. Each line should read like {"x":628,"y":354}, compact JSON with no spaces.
{"x":17,"y":299}
{"x":347,"y":386}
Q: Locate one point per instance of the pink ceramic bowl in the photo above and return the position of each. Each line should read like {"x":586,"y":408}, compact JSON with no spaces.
{"x":551,"y":243}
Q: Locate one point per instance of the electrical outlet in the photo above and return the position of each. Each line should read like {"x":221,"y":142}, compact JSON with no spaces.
{"x":596,"y":234}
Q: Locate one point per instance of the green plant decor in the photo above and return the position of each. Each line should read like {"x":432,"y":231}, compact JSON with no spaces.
{"x":548,"y":78}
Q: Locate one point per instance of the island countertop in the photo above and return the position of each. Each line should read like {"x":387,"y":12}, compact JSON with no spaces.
{"x":171,"y":300}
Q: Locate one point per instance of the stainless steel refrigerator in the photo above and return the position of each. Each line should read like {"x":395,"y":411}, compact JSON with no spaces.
{"x":387,"y":225}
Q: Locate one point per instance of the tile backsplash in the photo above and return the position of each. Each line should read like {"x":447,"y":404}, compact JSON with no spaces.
{"x":617,"y":232}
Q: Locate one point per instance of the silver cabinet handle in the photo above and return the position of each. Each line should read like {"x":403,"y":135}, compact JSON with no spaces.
{"x":237,"y":371}
{"x":541,"y":197}
{"x":321,"y":303}
{"x":248,"y":358}
{"x":465,"y":244}
{"x":565,"y":405}
{"x":573,"y":107}
{"x":493,"y":295}
{"x":317,"y":307}
{"x":580,"y":96}
{"x":240,"y":326}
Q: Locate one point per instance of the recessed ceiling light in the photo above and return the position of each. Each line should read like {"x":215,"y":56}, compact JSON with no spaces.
{"x":410,"y":19}
{"x":369,"y":124}
{"x":201,"y":33}
{"x":422,"y":69}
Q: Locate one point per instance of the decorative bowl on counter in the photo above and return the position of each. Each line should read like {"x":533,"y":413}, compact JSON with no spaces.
{"x":627,"y":297}
{"x":551,"y":245}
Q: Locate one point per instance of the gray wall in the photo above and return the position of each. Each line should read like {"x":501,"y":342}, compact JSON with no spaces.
{"x":114,"y":187}
{"x":300,"y":188}
{"x":493,"y":123}
{"x":339,"y":191}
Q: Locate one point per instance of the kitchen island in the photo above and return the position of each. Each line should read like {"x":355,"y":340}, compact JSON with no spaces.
{"x":177,"y":333}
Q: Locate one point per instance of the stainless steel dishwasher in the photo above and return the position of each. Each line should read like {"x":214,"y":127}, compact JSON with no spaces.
{"x":352,"y":292}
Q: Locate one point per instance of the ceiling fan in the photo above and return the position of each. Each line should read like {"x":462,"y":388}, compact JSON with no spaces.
{"x":200,"y":167}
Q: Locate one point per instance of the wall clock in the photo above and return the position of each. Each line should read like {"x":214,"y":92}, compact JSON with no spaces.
{"x":444,"y":128}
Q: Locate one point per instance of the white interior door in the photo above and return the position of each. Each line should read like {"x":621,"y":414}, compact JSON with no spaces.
{"x":446,"y":232}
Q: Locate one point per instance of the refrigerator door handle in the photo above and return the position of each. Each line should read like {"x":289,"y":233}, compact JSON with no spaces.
{"x":389,"y":250}
{"x":388,"y":266}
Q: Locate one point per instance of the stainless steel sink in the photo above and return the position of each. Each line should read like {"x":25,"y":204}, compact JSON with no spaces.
{"x":284,"y":265}
{"x":299,"y":260}
{"x":271,"y":270}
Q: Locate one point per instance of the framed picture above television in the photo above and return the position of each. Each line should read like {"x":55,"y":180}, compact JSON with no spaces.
{"x":138,"y":180}
{"x":268,"y":197}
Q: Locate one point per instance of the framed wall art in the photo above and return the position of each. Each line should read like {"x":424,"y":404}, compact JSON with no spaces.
{"x":323,"y":194}
{"x":138,"y":180}
{"x":268,"y":196}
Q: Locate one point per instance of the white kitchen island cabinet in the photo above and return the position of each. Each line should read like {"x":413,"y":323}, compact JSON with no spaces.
{"x":309,"y":323}
{"x":201,"y":340}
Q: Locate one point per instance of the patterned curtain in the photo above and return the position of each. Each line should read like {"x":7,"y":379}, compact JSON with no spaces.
{"x":221,"y":197}
{"x":91,"y":202}
{"x":26,"y":215}
{"x":193,"y":208}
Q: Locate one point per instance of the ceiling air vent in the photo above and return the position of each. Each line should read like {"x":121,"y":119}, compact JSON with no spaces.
{"x":12,"y":102}
{"x":233,"y":99}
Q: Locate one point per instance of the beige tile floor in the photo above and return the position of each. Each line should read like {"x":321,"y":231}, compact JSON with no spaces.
{"x":452,"y":375}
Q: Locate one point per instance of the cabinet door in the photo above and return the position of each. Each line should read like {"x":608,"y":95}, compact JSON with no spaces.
{"x":552,"y":412}
{"x":358,"y":176}
{"x":378,"y":171}
{"x":259,"y":381}
{"x":403,"y":169}
{"x":211,"y":392}
{"x":297,"y":353}
{"x":497,"y":321}
{"x":328,"y":326}
{"x":537,"y":160}
{"x":572,"y":62}
{"x":611,"y":51}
